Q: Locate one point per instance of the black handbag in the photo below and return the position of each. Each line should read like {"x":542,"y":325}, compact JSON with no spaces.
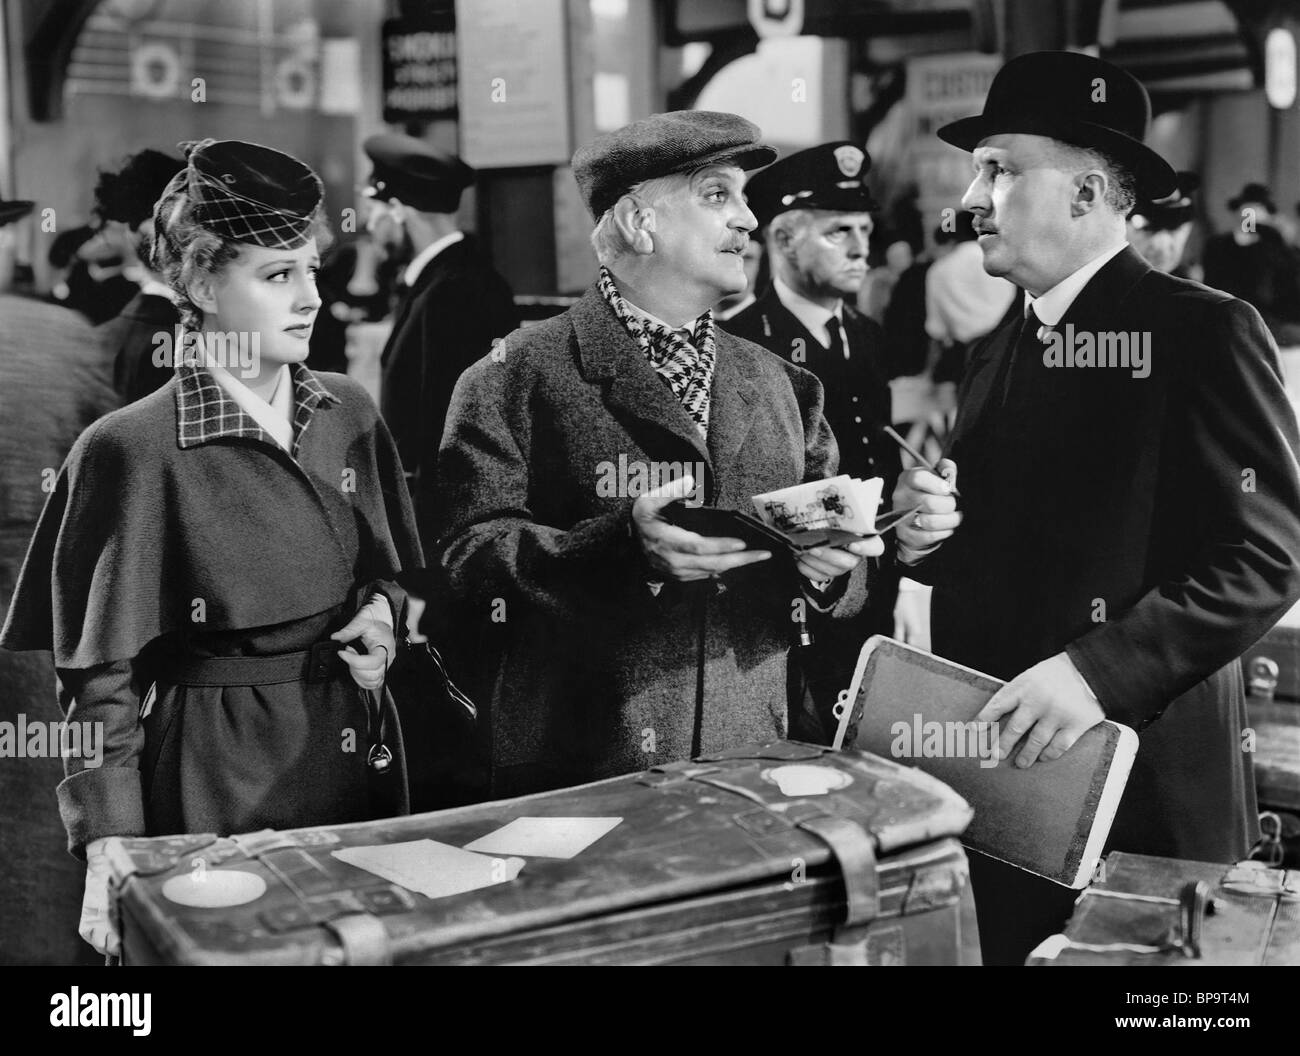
{"x":445,"y":744}
{"x":427,"y":669}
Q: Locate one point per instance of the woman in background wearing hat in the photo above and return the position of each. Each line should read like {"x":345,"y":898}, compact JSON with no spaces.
{"x":209,"y":551}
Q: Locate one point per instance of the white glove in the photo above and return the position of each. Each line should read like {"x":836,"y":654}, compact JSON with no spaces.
{"x":96,"y":927}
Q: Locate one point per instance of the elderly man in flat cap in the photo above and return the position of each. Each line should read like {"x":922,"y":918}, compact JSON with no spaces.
{"x":1129,"y":519}
{"x":453,"y":303}
{"x":623,"y":641}
{"x":815,"y":208}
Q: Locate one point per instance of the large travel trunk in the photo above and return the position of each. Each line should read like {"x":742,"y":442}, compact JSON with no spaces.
{"x":1150,"y":911}
{"x":781,"y":853}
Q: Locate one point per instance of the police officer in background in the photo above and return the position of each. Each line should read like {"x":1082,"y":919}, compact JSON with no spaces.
{"x":815,"y":208}
{"x":453,"y":306}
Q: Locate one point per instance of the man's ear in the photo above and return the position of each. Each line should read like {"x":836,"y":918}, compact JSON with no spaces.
{"x":780,"y":241}
{"x":635,"y":223}
{"x":1089,"y":192}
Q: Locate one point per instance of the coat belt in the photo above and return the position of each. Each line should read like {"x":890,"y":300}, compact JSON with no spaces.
{"x":317,"y":664}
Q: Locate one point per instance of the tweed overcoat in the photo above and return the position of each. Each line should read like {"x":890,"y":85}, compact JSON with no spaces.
{"x":591,"y":673}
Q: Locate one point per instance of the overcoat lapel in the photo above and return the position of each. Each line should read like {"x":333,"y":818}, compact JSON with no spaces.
{"x":1101,"y":298}
{"x":423,"y":281}
{"x":607,"y":352}
{"x":977,"y":385}
{"x":1097,"y":301}
{"x":733,"y":402}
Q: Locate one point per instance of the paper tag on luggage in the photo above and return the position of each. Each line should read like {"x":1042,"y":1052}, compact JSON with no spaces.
{"x":430,"y":868}
{"x":841,"y":503}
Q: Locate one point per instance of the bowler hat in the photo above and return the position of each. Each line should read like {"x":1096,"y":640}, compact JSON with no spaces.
{"x":663,"y":144}
{"x":1077,"y":99}
{"x":1253,"y":192}
{"x":415,"y":173}
{"x":830,"y":176}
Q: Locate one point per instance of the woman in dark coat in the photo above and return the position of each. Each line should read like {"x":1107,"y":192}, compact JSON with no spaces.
{"x":213,"y":570}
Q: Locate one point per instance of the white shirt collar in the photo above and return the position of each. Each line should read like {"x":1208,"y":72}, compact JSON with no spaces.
{"x":813,"y":316}
{"x":425,"y":255}
{"x":1052,"y":306}
{"x":688,"y":329}
{"x":275,"y":417}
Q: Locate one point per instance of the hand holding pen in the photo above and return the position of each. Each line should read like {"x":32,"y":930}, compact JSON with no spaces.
{"x":932,"y":488}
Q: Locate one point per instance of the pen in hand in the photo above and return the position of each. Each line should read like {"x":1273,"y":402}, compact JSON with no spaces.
{"x":925,"y":462}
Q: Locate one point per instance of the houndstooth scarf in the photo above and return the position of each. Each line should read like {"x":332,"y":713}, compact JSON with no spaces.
{"x":687,"y":366}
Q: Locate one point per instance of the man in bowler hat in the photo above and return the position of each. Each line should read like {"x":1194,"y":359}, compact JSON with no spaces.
{"x":1128,"y":525}
{"x":622,"y":641}
{"x":1252,"y":260}
{"x":452,"y":306}
{"x":815,"y":208}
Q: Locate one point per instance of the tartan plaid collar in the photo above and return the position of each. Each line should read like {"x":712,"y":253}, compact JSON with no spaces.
{"x":205,"y":412}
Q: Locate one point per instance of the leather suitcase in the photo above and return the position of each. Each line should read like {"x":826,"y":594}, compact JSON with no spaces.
{"x":717,"y":861}
{"x":1166,"y":912}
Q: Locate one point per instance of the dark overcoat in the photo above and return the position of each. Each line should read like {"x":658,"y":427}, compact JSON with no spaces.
{"x":132,"y":345}
{"x":592,"y":673}
{"x":446,"y":320}
{"x":1148,"y":526}
{"x":54,"y":381}
{"x":160,"y":547}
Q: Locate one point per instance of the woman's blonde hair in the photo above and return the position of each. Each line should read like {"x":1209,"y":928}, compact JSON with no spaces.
{"x":183,"y":249}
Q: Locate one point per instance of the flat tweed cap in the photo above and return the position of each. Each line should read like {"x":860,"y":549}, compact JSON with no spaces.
{"x":663,"y":144}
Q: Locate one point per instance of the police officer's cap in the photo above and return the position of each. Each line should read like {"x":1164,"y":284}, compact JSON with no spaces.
{"x":415,"y":173}
{"x":830,"y":176}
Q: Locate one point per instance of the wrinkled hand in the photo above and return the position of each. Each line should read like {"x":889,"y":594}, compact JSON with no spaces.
{"x":826,"y":562}
{"x":675,"y":553}
{"x":96,"y":927}
{"x":381,"y":650}
{"x":912,"y":618}
{"x":1051,"y":703}
{"x":938,"y":516}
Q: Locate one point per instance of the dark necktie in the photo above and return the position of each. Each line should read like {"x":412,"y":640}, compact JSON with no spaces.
{"x":1026,"y":341}
{"x":836,"y":351}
